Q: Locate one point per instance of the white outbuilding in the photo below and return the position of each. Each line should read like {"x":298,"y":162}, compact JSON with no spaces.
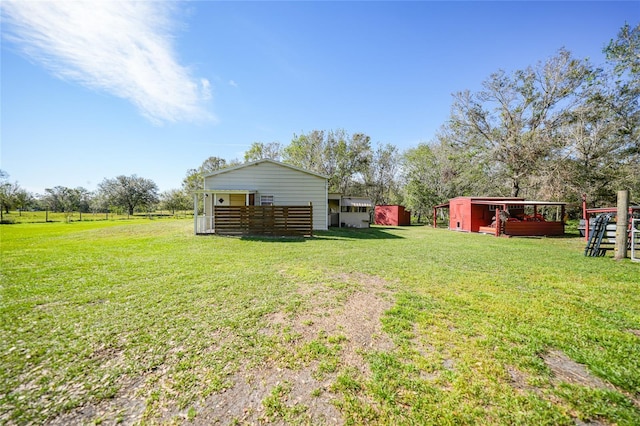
{"x":261,"y":183}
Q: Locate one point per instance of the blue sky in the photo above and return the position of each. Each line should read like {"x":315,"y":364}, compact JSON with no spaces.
{"x":93,"y":90}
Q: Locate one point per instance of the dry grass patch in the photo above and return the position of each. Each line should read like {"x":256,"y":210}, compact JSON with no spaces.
{"x":335,"y":323}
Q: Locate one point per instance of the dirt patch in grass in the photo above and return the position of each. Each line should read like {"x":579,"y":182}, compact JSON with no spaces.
{"x":269,"y":394}
{"x":565,"y":369}
{"x":326,"y":330}
{"x":125,"y":408}
{"x":519,"y":380}
{"x":341,"y":315}
{"x":353,"y":312}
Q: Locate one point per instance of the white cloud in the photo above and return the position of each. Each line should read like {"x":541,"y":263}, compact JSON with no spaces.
{"x":233,"y":83}
{"x":206,"y":88}
{"x":122,"y":48}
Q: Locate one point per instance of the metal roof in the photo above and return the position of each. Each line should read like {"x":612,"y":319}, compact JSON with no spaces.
{"x":264,"y":160}
{"x":225,"y":191}
{"x":356,"y":202}
{"x":518,"y":203}
{"x":505,"y":201}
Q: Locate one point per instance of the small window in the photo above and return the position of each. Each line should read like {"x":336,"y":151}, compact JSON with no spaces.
{"x":266,"y":200}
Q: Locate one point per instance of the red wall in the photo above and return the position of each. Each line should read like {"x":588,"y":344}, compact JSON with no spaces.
{"x":392,"y":216}
{"x":465,"y":216}
{"x":460,"y":214}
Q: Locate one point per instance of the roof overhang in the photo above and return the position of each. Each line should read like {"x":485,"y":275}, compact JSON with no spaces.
{"x":225,"y":191}
{"x":518,"y":203}
{"x":356,"y":202}
{"x":264,"y":160}
{"x":505,"y":202}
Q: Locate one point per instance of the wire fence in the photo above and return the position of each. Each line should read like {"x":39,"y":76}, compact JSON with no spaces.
{"x":47,"y":216}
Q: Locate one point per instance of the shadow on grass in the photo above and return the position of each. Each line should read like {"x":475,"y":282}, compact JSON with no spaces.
{"x":374,"y":233}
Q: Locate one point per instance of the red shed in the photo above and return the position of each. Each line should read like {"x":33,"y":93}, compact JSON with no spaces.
{"x":517,"y":216}
{"x":392,"y":216}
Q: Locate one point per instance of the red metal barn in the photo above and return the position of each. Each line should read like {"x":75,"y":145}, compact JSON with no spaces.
{"x":516,"y":216}
{"x":392,"y":216}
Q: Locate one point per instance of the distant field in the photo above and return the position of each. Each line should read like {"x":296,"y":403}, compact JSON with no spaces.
{"x":140,"y":321}
{"x":44,"y":216}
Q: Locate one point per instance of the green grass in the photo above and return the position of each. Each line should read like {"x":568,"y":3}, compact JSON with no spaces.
{"x":14,"y":217}
{"x":88,"y":309}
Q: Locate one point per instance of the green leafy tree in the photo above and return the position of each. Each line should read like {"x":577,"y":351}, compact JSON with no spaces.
{"x":623,"y":53}
{"x":7,"y":190}
{"x":13,"y":196}
{"x":421,"y":179}
{"x":194,"y":180}
{"x":344,"y":159}
{"x":64,"y":199}
{"x":381,"y":177}
{"x":175,"y":199}
{"x":308,"y":151}
{"x":129,"y":192}
{"x":23,"y":200}
{"x":260,"y":151}
{"x":353,"y":159}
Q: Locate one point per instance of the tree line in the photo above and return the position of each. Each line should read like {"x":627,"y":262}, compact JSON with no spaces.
{"x":552,"y":131}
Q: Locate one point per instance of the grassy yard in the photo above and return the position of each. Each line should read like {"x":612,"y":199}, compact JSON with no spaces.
{"x":142,"y":322}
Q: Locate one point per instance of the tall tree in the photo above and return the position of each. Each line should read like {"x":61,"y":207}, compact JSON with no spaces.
{"x":23,"y":199}
{"x":381,"y":177}
{"x":129,"y":192}
{"x":421,"y":179}
{"x":193,"y":181}
{"x":343,"y":158}
{"x":623,"y":54}
{"x":8,"y":191}
{"x":175,"y":199}
{"x":601,"y":153}
{"x":259,"y":151}
{"x":307,"y":151}
{"x":353,"y":158}
{"x":64,"y":199}
{"x":513,"y":121}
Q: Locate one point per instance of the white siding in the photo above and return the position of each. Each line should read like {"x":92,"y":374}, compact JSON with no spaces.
{"x":289,"y":187}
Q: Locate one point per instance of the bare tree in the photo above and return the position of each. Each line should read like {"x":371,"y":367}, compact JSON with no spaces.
{"x":513,"y":121}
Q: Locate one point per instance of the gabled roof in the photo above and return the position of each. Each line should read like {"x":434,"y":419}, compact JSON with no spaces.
{"x":265,"y":160}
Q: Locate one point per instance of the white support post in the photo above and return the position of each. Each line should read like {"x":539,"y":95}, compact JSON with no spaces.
{"x":195,"y":214}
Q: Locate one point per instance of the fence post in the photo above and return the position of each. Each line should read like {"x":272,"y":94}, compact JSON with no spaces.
{"x":622,"y":225}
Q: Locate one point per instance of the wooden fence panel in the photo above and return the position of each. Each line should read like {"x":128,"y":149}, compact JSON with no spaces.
{"x":264,"y":220}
